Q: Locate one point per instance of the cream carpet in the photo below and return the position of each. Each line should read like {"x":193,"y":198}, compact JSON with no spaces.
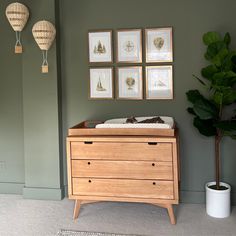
{"x":21,"y":217}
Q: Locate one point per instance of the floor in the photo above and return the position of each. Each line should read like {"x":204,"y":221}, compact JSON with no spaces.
{"x":23,"y":217}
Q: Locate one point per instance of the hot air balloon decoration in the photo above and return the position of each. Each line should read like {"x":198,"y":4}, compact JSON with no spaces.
{"x":17,"y":15}
{"x":44,"y":34}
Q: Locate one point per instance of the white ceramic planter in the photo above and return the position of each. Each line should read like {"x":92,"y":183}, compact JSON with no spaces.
{"x":218,"y":201}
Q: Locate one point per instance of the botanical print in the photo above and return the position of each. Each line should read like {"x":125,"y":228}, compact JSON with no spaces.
{"x":100,"y":46}
{"x":159,"y":45}
{"x":159,"y":82}
{"x":130,"y":83}
{"x":101,"y":83}
{"x":129,"y":47}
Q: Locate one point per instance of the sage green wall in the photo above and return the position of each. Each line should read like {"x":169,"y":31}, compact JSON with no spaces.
{"x":41,"y":111}
{"x":11,"y":113}
{"x":30,"y":110}
{"x":190,"y":19}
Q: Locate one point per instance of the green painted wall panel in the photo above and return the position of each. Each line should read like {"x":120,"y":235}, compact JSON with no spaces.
{"x":40,"y":98}
{"x":11,"y":113}
{"x":190,"y":20}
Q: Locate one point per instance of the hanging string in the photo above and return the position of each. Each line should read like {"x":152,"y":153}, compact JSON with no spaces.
{"x":18,"y":42}
{"x":45,"y":58}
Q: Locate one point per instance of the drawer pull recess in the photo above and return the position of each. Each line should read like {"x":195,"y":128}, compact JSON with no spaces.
{"x":152,"y":143}
{"x":88,"y":142}
{"x":89,"y":163}
{"x":154,"y":183}
{"x":153,"y":164}
{"x":90,"y":181}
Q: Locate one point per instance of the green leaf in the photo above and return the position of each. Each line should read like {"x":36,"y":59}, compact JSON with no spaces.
{"x":220,"y":57}
{"x":193,"y":95}
{"x":205,"y":109}
{"x":226,"y":125}
{"x":218,"y":98}
{"x":225,"y":79}
{"x":227,"y":38}
{"x":229,"y":96}
{"x":191,"y":111}
{"x":199,"y":80}
{"x":205,"y":127}
{"x":214,"y":49}
{"x":209,"y":71}
{"x":211,"y":37}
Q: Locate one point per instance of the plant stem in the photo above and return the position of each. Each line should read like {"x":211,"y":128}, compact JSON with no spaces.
{"x":217,"y":160}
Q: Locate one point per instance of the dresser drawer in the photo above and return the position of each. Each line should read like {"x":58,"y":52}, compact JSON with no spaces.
{"x":123,"y":188}
{"x":122,"y":169}
{"x":121,"y":151}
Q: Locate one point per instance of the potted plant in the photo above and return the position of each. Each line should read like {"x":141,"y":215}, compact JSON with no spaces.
{"x":209,"y":112}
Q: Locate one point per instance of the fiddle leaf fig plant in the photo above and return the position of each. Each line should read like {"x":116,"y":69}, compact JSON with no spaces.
{"x":219,"y":81}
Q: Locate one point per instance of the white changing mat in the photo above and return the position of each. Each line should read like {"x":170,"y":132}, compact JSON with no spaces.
{"x":120,"y":123}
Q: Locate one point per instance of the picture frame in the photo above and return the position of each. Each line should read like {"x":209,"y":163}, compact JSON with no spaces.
{"x":159,"y":82}
{"x":159,"y":44}
{"x":129,"y":45}
{"x":100,"y":46}
{"x":101,"y":83}
{"x":129,"y":83}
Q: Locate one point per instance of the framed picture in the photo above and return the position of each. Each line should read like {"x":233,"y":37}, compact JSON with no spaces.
{"x":101,"y":83}
{"x":159,"y":46}
{"x":159,"y":82}
{"x":129,"y":45}
{"x":100,"y":46}
{"x":129,"y":82}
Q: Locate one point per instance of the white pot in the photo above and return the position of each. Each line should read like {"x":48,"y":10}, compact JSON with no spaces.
{"x":218,"y":201}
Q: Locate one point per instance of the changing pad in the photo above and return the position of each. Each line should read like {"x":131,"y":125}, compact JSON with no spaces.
{"x":121,"y":123}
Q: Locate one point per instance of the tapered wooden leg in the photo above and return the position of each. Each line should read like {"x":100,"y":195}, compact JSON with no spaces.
{"x":171,"y":214}
{"x":169,"y":208}
{"x":76,"y":209}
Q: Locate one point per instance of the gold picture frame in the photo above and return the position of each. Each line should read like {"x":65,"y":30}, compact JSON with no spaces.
{"x":100,"y":46}
{"x":101,"y":83}
{"x":159,"y":45}
{"x":129,"y":83}
{"x":159,"y":82}
{"x":129,"y":46}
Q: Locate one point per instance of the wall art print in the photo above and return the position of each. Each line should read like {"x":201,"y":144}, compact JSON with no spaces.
{"x":129,"y":46}
{"x":101,"y":83}
{"x":130,"y":83}
{"x":159,"y":46}
{"x":100,"y":46}
{"x":159,"y":82}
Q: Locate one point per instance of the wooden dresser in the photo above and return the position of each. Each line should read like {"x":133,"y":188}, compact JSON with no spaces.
{"x":128,"y":168}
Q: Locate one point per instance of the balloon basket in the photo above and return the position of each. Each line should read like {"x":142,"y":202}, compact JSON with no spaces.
{"x":45,"y":69}
{"x":18,"y":49}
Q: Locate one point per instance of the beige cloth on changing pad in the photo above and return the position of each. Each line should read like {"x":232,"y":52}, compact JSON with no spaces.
{"x":121,"y":123}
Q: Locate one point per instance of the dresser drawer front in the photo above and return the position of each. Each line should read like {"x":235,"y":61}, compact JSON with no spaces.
{"x":122,"y":169}
{"x":123,"y":188}
{"x":121,"y":151}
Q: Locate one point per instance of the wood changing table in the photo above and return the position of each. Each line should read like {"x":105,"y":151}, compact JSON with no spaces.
{"x":125,"y":165}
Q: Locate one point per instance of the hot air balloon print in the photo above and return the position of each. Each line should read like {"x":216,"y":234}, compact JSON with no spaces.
{"x":44,"y":34}
{"x":17,"y":15}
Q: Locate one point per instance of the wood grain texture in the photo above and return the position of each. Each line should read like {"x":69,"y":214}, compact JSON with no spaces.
{"x":123,"y":188}
{"x":155,"y":201}
{"x":76,"y":209}
{"x":122,"y":169}
{"x":151,"y":151}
